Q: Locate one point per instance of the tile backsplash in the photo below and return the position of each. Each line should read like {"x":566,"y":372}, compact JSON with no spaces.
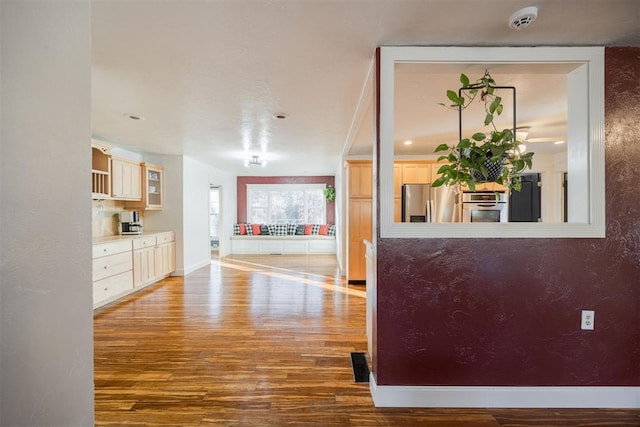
{"x":104,"y":217}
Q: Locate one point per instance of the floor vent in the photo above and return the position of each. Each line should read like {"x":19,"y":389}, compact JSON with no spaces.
{"x":360,"y":367}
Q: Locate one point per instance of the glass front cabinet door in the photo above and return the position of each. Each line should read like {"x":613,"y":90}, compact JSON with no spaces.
{"x":153,"y":186}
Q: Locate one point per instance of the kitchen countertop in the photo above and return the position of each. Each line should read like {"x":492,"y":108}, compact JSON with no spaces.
{"x":119,"y":237}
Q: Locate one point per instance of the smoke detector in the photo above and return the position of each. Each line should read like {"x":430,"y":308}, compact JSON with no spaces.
{"x":523,"y":18}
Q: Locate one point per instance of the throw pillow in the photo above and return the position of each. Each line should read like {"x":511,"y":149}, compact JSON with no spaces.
{"x":300,"y":230}
{"x":308,"y":229}
{"x":239,"y":229}
{"x":323,"y":230}
{"x":256,"y":229}
{"x":278,"y":229}
{"x":264,"y":229}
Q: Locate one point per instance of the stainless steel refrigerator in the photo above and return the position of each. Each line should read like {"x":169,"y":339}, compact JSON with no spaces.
{"x":423,"y":203}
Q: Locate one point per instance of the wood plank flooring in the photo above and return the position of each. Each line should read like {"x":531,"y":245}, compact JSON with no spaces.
{"x":261,"y":341}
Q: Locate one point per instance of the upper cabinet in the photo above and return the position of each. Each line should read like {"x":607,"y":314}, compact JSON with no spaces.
{"x":360,"y":179}
{"x":139,"y":185}
{"x":100,"y":170}
{"x":152,"y":188}
{"x":416,"y":173}
{"x":126,"y":181}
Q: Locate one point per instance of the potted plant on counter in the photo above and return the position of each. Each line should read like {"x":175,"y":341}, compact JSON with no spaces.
{"x":493,"y":156}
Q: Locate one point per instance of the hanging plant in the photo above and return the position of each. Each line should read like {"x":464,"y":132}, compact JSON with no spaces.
{"x":330,"y":193}
{"x":485,"y":157}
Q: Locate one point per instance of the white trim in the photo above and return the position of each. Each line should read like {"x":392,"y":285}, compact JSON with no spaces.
{"x":503,"y":397}
{"x":191,"y":268}
{"x":364,"y":103}
{"x":286,"y":187}
{"x":590,"y":57}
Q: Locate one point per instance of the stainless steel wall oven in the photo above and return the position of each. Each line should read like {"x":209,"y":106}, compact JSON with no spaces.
{"x":485,"y":206}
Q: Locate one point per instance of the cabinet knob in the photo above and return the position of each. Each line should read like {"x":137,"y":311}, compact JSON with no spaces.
{"x":106,"y":266}
{"x":106,"y":289}
{"x":104,"y":250}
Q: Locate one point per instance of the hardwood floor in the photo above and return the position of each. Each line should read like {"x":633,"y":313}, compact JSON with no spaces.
{"x":261,"y":341}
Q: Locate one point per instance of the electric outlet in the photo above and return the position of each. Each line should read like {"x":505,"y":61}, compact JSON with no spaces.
{"x":588,"y":319}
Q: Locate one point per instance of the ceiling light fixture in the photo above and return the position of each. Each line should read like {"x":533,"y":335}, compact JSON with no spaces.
{"x":408,"y":142}
{"x":254,"y":161}
{"x":280,"y":116}
{"x":522,"y":133}
{"x":523,"y":18}
{"x":559,"y":142}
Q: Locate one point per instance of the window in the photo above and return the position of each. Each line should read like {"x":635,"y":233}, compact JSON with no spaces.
{"x":584,"y":198}
{"x":286,"y":204}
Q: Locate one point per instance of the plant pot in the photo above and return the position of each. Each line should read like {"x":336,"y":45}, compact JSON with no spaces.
{"x":494,"y":168}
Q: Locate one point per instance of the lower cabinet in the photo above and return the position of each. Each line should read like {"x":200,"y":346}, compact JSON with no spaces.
{"x":130,"y":263}
{"x":165,"y":257}
{"x":153,"y":258}
{"x":165,"y":254}
{"x":360,"y":229}
{"x":144,"y":260}
{"x":112,"y":271}
{"x":106,"y":290}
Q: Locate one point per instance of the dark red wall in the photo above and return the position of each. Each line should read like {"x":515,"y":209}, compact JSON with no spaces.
{"x":244,"y":180}
{"x":507,"y":311}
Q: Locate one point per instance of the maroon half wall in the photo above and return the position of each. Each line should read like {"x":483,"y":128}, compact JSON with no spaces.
{"x":242,"y":182}
{"x":507,"y":311}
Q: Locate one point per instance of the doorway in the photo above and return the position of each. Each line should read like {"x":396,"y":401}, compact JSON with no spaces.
{"x":214,"y":218}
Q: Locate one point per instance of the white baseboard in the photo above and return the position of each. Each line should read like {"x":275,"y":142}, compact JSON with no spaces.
{"x":503,"y":397}
{"x":191,"y":268}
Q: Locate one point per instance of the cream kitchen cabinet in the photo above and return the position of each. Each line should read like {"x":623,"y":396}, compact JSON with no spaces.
{"x":125,"y":264}
{"x":152,"y":188}
{"x":126,"y":179}
{"x":153,"y":258}
{"x":144,"y":260}
{"x":165,"y":254}
{"x":112,"y":271}
{"x":100,"y":171}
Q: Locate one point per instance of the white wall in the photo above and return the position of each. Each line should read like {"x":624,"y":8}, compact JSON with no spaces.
{"x":186,"y":209}
{"x":46,"y":312}
{"x":197,"y":252}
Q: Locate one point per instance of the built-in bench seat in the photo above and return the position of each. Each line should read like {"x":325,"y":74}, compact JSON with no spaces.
{"x":311,"y":244}
{"x":277,"y":242}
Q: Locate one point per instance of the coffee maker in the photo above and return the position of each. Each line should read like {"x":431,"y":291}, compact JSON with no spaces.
{"x":130,"y":222}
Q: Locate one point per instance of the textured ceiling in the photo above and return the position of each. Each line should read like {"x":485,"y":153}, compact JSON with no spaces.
{"x":207,"y":76}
